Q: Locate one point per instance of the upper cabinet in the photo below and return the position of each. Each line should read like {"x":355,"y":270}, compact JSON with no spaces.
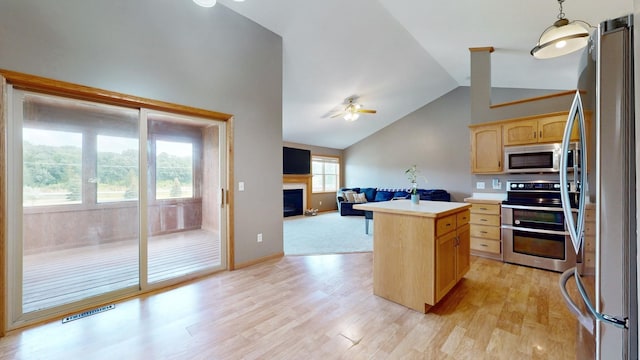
{"x":486,"y":148}
{"x":544,"y":129}
{"x":488,"y":139}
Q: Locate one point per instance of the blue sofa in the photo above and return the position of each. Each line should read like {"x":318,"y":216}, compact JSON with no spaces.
{"x":384,"y":194}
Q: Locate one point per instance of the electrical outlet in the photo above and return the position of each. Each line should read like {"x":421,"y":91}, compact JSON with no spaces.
{"x":241,"y":186}
{"x":480,"y":185}
{"x":320,"y":202}
{"x":260,"y":237}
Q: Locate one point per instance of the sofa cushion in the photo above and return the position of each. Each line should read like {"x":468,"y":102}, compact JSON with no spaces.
{"x":400,"y":195}
{"x":370,"y":193}
{"x":382,"y":195}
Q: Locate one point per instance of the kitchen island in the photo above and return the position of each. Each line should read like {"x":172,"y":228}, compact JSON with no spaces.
{"x":420,"y":251}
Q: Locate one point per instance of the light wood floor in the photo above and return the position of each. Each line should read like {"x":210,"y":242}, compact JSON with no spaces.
{"x":318,"y":307}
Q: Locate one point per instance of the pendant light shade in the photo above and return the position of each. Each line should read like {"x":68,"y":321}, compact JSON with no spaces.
{"x":561,"y":38}
{"x":205,"y":3}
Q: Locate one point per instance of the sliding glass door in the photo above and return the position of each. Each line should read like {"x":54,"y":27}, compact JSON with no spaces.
{"x":184,"y":188}
{"x":85,"y":224}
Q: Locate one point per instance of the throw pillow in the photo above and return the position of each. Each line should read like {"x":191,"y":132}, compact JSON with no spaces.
{"x":360,"y":198}
{"x":384,"y":195}
{"x":349,"y":196}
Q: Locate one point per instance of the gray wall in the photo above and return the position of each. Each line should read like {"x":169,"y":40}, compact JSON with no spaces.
{"x":172,"y":51}
{"x":435,"y":138}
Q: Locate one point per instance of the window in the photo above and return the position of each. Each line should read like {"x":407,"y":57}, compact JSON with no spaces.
{"x":52,"y":167}
{"x":174,"y":170}
{"x":326,"y":173}
{"x":117,"y":168}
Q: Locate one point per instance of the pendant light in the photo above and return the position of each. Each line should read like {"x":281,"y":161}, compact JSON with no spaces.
{"x":205,"y":3}
{"x":561,"y":38}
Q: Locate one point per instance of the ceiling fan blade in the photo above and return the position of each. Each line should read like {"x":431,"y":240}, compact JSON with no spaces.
{"x":337,"y":115}
{"x":366,"y":111}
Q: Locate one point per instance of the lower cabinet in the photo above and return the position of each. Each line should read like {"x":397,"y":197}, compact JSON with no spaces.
{"x":452,"y":260}
{"x":417,"y":260}
{"x":485,"y":228}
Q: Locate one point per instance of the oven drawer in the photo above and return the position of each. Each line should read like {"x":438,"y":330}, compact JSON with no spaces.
{"x":493,"y":209}
{"x":484,"y":231}
{"x":485,"y":219}
{"x":486,"y":245}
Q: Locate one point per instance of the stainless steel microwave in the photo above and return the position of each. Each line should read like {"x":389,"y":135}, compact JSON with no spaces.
{"x":542,"y":158}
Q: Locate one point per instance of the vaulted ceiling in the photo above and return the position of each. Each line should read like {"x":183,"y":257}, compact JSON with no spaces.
{"x":399,"y":55}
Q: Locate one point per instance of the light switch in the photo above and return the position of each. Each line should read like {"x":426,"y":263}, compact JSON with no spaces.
{"x":241,"y":186}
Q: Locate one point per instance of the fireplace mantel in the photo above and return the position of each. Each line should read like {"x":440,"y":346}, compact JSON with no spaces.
{"x":300,"y":179}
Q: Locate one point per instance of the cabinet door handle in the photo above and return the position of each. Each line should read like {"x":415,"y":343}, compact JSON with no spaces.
{"x":534,"y":134}
{"x":484,"y":245}
{"x":483,"y":232}
{"x":483,"y":208}
{"x":540,"y":134}
{"x":484,"y":220}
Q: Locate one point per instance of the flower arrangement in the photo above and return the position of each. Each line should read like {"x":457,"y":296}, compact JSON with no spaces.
{"x":412,"y":175}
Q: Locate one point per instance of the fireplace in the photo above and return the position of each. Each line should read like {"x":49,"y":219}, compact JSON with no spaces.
{"x":293,"y":202}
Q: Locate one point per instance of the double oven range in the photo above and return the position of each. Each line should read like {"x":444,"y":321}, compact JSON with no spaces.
{"x":533,"y":226}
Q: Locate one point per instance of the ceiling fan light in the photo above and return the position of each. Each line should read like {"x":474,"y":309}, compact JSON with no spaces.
{"x":351,"y":116}
{"x":205,"y":3}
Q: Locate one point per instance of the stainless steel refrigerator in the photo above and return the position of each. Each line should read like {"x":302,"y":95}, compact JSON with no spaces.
{"x":604,"y":229}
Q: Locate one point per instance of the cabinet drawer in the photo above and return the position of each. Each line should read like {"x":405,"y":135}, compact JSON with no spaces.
{"x":480,"y":244}
{"x":487,"y":232}
{"x":493,"y":209}
{"x":462,"y":218}
{"x":485,"y":219}
{"x":445,"y":224}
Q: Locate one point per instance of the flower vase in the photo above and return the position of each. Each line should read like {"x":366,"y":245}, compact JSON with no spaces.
{"x":415,"y":198}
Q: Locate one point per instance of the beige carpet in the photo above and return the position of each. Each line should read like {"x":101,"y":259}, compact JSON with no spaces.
{"x":326,"y":233}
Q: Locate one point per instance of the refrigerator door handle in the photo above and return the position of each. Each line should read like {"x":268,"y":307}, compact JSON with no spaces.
{"x":575,"y":229}
{"x":565,"y":294}
{"x":619,"y":322}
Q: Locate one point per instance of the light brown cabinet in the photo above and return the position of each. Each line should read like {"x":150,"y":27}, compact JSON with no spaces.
{"x":485,"y":228}
{"x":453,"y":258}
{"x":486,"y":149}
{"x":420,"y":251}
{"x":541,"y":129}
{"x":488,"y":140}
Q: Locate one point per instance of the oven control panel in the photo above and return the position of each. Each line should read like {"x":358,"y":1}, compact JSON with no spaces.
{"x":553,"y":186}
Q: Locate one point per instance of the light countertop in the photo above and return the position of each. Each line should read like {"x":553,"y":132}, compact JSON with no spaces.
{"x":425,"y":208}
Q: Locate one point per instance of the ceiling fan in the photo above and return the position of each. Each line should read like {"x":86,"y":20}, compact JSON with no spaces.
{"x":353,"y":110}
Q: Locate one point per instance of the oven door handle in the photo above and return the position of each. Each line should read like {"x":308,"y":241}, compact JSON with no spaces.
{"x":538,"y":208}
{"x":538,"y":231}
